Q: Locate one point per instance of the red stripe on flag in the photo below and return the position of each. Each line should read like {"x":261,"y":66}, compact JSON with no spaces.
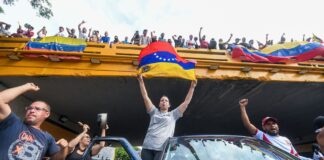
{"x":159,"y":47}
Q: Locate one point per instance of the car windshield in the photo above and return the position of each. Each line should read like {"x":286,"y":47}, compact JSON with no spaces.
{"x":219,"y":148}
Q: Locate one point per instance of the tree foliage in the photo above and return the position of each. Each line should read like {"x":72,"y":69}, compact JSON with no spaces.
{"x":43,"y":7}
{"x":121,"y":154}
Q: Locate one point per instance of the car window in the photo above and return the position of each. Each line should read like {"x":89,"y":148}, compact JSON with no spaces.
{"x":223,"y":148}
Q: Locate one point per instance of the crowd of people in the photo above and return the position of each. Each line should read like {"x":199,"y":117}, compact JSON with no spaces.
{"x":145,"y":38}
{"x":26,"y":140}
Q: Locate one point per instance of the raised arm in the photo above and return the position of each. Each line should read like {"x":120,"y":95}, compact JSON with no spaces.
{"x":200,"y":33}
{"x":245,"y":118}
{"x":132,"y":40}
{"x":184,"y":105}
{"x":173,"y":37}
{"x":39,"y":31}
{"x":10,"y":94}
{"x":96,"y":148}
{"x":229,"y":39}
{"x":79,"y":26}
{"x":68,"y":30}
{"x":89,"y":35}
{"x":77,"y":139}
{"x":147,"y":101}
{"x":304,"y":37}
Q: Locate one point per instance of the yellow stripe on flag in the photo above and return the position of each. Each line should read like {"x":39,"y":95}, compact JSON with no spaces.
{"x":63,"y":40}
{"x":164,"y":69}
{"x":276,"y":47}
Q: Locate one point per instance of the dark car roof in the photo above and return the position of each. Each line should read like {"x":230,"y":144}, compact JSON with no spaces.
{"x":212,"y":136}
{"x":237,"y":137}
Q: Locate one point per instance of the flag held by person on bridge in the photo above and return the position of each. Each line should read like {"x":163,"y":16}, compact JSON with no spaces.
{"x":55,"y":43}
{"x":159,"y":59}
{"x":280,"y":53}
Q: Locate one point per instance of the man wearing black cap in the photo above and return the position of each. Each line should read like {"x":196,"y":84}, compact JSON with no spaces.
{"x":319,"y":131}
{"x":271,"y":130}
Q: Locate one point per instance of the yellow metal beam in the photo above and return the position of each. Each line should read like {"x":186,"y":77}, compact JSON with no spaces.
{"x":121,"y":60}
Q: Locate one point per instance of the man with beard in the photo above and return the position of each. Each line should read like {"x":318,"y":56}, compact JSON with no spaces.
{"x":270,"y":133}
{"x":25,"y":139}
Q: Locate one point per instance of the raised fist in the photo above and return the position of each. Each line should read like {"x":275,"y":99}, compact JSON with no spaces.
{"x":243,"y":102}
{"x":32,"y":86}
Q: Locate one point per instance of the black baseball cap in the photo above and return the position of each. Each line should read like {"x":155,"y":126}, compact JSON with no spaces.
{"x":318,"y":123}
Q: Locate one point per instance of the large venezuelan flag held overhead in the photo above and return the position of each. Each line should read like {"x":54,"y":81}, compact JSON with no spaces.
{"x":159,"y":59}
{"x":281,"y":53}
{"x":55,"y":43}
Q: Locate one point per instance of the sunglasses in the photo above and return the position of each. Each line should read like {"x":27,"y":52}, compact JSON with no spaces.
{"x":29,"y":108}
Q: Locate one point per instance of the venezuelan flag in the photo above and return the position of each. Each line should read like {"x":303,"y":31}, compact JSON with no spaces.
{"x":55,"y":43}
{"x":159,"y":59}
{"x":280,"y":53}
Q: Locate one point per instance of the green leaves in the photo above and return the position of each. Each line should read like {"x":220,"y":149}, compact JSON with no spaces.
{"x":43,"y":7}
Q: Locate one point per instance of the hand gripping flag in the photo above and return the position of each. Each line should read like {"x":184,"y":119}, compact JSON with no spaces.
{"x":159,"y":59}
{"x":285,"y":53}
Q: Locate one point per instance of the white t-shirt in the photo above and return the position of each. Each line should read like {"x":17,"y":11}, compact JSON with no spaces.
{"x":41,"y":35}
{"x":4,"y":32}
{"x":83,"y":35}
{"x":162,"y":125}
{"x":145,"y":40}
{"x":190,"y":44}
{"x":278,"y":141}
{"x":60,"y":34}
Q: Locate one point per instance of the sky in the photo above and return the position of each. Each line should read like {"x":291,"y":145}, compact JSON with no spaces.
{"x":219,"y":18}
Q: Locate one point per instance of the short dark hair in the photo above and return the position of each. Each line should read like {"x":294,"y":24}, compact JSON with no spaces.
{"x":48,"y":107}
{"x":164,"y":95}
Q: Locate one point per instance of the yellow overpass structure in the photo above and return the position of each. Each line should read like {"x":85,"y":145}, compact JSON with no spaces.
{"x":102,"y":79}
{"x":100,"y":59}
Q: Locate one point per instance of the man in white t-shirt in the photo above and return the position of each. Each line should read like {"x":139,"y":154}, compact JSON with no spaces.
{"x":270,"y":133}
{"x":145,"y":39}
{"x":83,"y":31}
{"x":4,"y":29}
{"x":61,"y":32}
{"x":190,"y":42}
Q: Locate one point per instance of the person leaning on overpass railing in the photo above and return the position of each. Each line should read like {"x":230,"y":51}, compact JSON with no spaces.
{"x":270,"y":133}
{"x":83,"y":31}
{"x":161,"y":38}
{"x":71,"y":32}
{"x":202,"y":40}
{"x":4,"y":29}
{"x":224,"y":45}
{"x":41,"y":33}
{"x":105,"y":38}
{"x":25,"y":139}
{"x":61,"y":32}
{"x":145,"y":39}
{"x":136,"y":38}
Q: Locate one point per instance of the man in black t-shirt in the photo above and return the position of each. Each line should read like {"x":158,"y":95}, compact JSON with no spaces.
{"x":24,"y":139}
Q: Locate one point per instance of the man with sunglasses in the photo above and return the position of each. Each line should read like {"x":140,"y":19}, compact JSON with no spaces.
{"x":25,"y":139}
